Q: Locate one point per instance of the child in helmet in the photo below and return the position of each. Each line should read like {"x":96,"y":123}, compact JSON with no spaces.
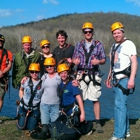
{"x":30,"y":95}
{"x":71,"y":94}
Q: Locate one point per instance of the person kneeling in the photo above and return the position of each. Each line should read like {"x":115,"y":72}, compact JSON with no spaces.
{"x":30,"y":95}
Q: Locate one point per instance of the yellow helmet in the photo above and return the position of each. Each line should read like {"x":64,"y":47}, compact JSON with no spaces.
{"x":62,"y":67}
{"x":50,"y":61}
{"x":26,"y":39}
{"x":44,"y":42}
{"x":34,"y":67}
{"x":88,"y":25}
{"x":116,"y":25}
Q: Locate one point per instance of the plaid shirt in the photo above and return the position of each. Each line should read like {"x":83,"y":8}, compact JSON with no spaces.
{"x":98,"y":52}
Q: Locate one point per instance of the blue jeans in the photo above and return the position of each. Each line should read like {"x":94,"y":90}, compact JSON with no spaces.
{"x":49,"y":112}
{"x":30,"y":122}
{"x":121,"y":126}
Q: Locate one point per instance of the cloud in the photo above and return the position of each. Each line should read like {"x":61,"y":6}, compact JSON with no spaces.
{"x":8,"y":12}
{"x":39,"y":17}
{"x":50,"y":1}
{"x":136,"y":2}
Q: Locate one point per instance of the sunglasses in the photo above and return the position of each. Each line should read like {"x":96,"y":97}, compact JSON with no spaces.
{"x":85,"y":32}
{"x":32,"y":72}
{"x":49,"y":66}
{"x":45,"y":47}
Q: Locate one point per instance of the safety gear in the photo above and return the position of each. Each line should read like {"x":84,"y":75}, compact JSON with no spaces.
{"x":49,"y":61}
{"x":116,"y":25}
{"x":44,"y":42}
{"x":2,"y":38}
{"x":34,"y":67}
{"x":88,"y":25}
{"x":62,"y":67}
{"x":26,"y":39}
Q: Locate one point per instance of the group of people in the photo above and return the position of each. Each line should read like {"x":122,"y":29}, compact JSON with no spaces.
{"x":39,"y":75}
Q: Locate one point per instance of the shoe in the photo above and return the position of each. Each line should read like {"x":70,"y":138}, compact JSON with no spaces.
{"x":1,"y":121}
{"x":114,"y":138}
{"x":127,"y":135}
{"x":99,"y":128}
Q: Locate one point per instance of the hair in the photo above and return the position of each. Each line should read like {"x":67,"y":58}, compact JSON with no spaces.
{"x":61,"y":32}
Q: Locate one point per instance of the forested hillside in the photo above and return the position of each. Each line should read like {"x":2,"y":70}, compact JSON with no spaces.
{"x":72,"y":23}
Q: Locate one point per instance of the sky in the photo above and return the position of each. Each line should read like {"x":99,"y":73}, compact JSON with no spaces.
{"x":13,"y":12}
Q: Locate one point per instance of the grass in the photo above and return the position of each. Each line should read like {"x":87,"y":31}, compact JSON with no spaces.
{"x":9,"y":131}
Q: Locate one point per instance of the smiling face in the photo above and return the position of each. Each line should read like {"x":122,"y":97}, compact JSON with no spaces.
{"x":88,"y":33}
{"x":34,"y":74}
{"x":46,"y":49}
{"x":27,"y":47}
{"x":50,"y":69}
{"x":118,"y":35}
{"x":64,"y":75}
{"x":61,"y":40}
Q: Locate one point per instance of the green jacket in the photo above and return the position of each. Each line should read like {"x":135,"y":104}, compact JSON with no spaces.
{"x":21,"y":64}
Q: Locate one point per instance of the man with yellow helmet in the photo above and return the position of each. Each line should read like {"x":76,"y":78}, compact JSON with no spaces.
{"x":22,"y":61}
{"x":88,"y":55}
{"x":123,"y":57}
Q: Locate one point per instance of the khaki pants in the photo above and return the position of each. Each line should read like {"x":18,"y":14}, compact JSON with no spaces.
{"x":90,"y":91}
{"x":3,"y":87}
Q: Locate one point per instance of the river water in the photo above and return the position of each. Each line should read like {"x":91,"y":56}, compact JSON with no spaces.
{"x":106,"y":100}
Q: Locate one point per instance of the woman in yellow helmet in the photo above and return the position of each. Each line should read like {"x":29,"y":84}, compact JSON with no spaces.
{"x":30,"y":95}
{"x":49,"y":106}
{"x":45,"y":46}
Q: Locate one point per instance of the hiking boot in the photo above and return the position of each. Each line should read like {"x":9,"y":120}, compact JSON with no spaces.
{"x":127,"y":134}
{"x":114,"y":138}
{"x":99,"y":128}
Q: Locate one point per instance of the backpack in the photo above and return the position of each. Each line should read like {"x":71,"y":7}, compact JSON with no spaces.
{"x":60,"y":131}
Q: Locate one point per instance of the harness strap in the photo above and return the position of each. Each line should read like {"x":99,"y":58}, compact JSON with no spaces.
{"x":94,"y":69}
{"x":66,"y":46}
{"x":30,"y":104}
{"x":68,"y":107}
{"x":22,"y":101}
{"x":86,"y":53}
{"x":87,"y":72}
{"x":126,"y":91}
{"x":125,"y":71}
{"x":114,"y":49}
{"x":61,"y":91}
{"x":4,"y":52}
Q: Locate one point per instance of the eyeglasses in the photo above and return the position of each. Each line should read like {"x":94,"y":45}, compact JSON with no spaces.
{"x":45,"y":47}
{"x":49,"y":66}
{"x":32,"y":72}
{"x":85,"y":32}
